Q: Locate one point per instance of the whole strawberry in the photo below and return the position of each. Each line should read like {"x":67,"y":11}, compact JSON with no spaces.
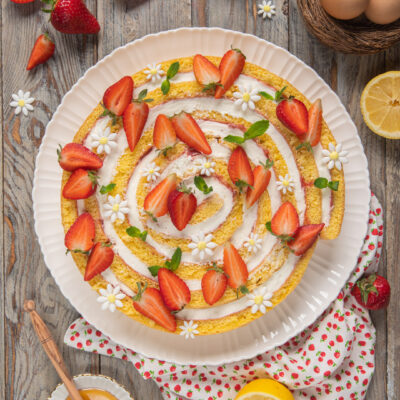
{"x":372,"y":292}
{"x":72,"y":16}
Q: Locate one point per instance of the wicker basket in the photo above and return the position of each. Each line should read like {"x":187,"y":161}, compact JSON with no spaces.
{"x":359,"y":36}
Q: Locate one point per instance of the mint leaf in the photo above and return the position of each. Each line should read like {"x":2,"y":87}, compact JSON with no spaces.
{"x":256,"y":129}
{"x":306,"y":145}
{"x":107,"y":189}
{"x":132,"y":231}
{"x":175,"y":260}
{"x":172,"y":70}
{"x":234,"y":139}
{"x":266,"y":95}
{"x":321,"y":183}
{"x":154,"y":269}
{"x":202,"y":185}
{"x":334,"y":185}
{"x":268,"y":164}
{"x":165,"y":86}
{"x":142,"y":95}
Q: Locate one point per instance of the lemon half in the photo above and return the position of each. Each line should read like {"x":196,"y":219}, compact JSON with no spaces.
{"x":380,"y":105}
{"x":264,"y":389}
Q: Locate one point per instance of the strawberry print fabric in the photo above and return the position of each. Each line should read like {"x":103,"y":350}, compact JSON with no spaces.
{"x":333,"y":359}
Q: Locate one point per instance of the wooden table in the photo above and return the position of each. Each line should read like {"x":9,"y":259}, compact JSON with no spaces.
{"x":26,"y":373}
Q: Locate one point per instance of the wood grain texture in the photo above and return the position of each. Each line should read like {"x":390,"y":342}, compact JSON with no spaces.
{"x":26,"y":373}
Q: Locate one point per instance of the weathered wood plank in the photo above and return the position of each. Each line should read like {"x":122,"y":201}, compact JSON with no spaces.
{"x":27,"y":372}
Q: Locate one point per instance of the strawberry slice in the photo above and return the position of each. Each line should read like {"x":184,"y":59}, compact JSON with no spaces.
{"x":164,"y":135}
{"x":174,"y":290}
{"x":134,"y":118}
{"x":205,"y":71}
{"x":149,"y":302}
{"x":118,"y":96}
{"x":80,"y":236}
{"x":304,"y":238}
{"x":42,"y":50}
{"x":239,"y":169}
{"x":189,"y":132}
{"x":313,"y":135}
{"x":22,"y":1}
{"x":182,"y":204}
{"x":235,"y":269}
{"x":101,"y":257}
{"x":231,"y":67}
{"x":294,"y":115}
{"x":156,"y":202}
{"x":262,"y":176}
{"x":285,"y":222}
{"x":213,"y":285}
{"x":74,"y":155}
{"x":80,"y":185}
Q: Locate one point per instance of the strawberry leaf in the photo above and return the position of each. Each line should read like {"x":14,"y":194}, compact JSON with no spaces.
{"x":154,"y":269}
{"x":268,"y":164}
{"x":305,"y":145}
{"x":279,"y":93}
{"x":242,"y":184}
{"x":140,"y":291}
{"x":282,"y":238}
{"x":202,"y":185}
{"x":107,"y":189}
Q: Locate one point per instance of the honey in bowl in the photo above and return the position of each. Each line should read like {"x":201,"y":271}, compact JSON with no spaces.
{"x":95,"y":394}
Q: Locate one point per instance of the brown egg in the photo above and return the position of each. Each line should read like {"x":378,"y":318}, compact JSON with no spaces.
{"x":345,"y":9}
{"x":383,"y":11}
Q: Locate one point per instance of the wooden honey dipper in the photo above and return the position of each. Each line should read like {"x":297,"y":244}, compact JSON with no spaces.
{"x":51,"y":349}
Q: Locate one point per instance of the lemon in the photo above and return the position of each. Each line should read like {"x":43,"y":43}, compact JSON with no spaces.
{"x":380,"y":104}
{"x":264,"y":389}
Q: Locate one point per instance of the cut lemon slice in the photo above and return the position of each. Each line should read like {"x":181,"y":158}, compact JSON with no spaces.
{"x":264,"y":389}
{"x":380,"y":105}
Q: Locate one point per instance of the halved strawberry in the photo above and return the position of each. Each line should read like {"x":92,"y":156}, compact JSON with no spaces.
{"x":213,"y":285}
{"x":182,"y":204}
{"x":101,"y":257}
{"x":22,"y":1}
{"x":134,"y":118}
{"x":205,"y":71}
{"x":304,"y":238}
{"x":74,"y":155}
{"x":80,"y":236}
{"x":189,"y":132}
{"x":118,"y":96}
{"x":285,"y":222}
{"x":294,"y":115}
{"x":174,"y":290}
{"x":149,"y":302}
{"x":156,"y":202}
{"x":42,"y":50}
{"x":231,"y":66}
{"x":235,"y":269}
{"x":313,"y":135}
{"x":80,"y":185}
{"x":164,"y":135}
{"x":262,"y":176}
{"x":239,"y":169}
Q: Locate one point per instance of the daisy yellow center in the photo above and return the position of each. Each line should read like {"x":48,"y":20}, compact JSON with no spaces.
{"x":267,"y":8}
{"x":252,"y":242}
{"x":246,"y":97}
{"x":258,"y":300}
{"x":334,"y":155}
{"x":111,"y":298}
{"x":189,"y":330}
{"x":153,"y":71}
{"x":103,"y":140}
{"x":151,"y":171}
{"x":285,"y":182}
{"x":201,"y":245}
{"x":115,"y":207}
{"x":21,"y":102}
{"x":207,"y":165}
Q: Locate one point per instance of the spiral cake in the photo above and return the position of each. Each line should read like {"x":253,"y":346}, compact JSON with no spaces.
{"x":222,"y":218}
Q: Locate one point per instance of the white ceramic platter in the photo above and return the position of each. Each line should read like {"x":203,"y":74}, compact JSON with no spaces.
{"x":331,"y":263}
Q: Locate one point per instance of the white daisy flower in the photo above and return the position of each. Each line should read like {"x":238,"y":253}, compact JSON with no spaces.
{"x":206,"y":166}
{"x":104,"y":140}
{"x":285,"y":184}
{"x":154,"y":72}
{"x":111,"y":298}
{"x":152,"y":172}
{"x":22,"y":102}
{"x":189,"y":329}
{"x":115,"y":208}
{"x":246,"y":97}
{"x":202,"y":245}
{"x":266,"y":9}
{"x":335,"y":156}
{"x":253,"y":243}
{"x":259,"y":300}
